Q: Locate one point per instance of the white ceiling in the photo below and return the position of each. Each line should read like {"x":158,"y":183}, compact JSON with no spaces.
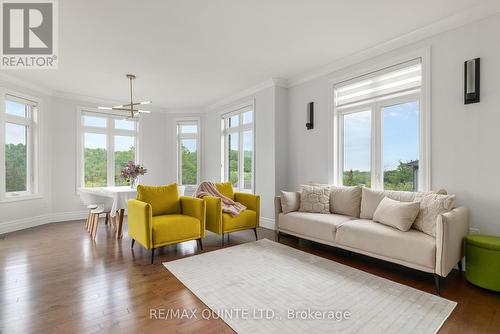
{"x":191,"y":53}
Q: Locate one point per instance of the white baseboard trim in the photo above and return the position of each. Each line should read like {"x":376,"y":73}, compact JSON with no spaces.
{"x":24,"y":223}
{"x":267,"y":223}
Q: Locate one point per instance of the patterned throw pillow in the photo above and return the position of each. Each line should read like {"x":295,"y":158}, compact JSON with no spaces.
{"x":431,"y":206}
{"x":315,"y":199}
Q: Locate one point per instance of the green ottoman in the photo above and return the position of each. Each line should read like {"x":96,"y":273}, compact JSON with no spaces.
{"x":482,"y":260}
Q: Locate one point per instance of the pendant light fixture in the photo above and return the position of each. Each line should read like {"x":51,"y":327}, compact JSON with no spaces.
{"x":131,"y":108}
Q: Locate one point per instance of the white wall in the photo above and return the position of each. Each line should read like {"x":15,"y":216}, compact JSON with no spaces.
{"x":38,"y":208}
{"x":58,"y":149}
{"x":464,"y":140}
{"x":152,"y":152}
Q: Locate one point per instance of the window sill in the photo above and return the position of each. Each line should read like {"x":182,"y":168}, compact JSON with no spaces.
{"x":10,"y":199}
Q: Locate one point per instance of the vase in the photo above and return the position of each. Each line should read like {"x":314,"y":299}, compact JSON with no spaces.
{"x":133,"y":183}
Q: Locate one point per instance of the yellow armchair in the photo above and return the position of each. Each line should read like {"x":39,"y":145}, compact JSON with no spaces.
{"x":222,"y":223}
{"x":160,"y":217}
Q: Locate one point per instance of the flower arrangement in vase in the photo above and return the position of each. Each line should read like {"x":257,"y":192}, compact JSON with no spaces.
{"x":131,"y":172}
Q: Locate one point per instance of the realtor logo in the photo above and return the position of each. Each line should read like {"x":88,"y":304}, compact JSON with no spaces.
{"x":29,"y":34}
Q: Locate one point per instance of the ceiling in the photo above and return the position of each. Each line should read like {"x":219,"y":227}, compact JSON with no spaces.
{"x":191,"y":53}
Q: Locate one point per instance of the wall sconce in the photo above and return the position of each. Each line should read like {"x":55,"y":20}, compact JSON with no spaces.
{"x":471,"y":81}
{"x":310,"y":116}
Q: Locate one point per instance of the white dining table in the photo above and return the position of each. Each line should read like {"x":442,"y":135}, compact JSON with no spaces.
{"x":120,"y":196}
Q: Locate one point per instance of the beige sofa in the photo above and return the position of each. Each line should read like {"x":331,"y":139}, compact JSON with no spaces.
{"x":415,"y":249}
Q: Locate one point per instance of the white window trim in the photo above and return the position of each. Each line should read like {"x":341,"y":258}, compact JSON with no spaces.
{"x":178,"y":137}
{"x":225,"y":114}
{"x":335,"y":154}
{"x":33,"y":145}
{"x":110,"y":132}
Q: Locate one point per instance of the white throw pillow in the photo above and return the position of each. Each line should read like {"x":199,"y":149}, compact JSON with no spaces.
{"x":431,"y":206}
{"x":315,"y":199}
{"x":400,"y":215}
{"x":290,"y":201}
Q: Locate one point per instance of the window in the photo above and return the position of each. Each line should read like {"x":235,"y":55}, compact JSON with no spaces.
{"x":380,"y":129}
{"x":108,"y":143}
{"x":19,"y":148}
{"x":188,"y":152}
{"x":238,"y":148}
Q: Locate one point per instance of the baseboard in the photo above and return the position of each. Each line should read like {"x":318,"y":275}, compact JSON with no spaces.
{"x":24,"y":223}
{"x":267,"y":223}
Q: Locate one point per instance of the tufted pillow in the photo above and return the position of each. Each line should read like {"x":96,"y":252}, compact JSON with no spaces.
{"x":315,"y":199}
{"x":431,"y":206}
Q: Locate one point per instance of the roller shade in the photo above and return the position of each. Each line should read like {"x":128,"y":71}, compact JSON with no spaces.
{"x":394,"y":80}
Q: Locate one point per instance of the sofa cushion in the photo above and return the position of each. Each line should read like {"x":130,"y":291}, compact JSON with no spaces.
{"x":164,"y":200}
{"x":246,"y":219}
{"x":412,"y":246}
{"x":175,"y":228}
{"x":371,"y":198}
{"x":315,"y":199}
{"x":226,"y":189}
{"x":431,"y":206}
{"x":290,"y":201}
{"x":400,"y":215}
{"x":315,"y":225}
{"x":345,"y":200}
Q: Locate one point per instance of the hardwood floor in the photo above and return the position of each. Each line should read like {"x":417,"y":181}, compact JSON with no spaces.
{"x":56,"y":280}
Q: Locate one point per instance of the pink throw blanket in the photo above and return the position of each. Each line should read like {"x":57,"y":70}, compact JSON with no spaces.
{"x":207,"y":188}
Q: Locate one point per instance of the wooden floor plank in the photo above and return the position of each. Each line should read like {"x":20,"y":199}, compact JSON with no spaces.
{"x":55,"y":279}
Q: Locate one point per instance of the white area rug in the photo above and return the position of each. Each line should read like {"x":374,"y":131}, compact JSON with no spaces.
{"x":249,"y":283}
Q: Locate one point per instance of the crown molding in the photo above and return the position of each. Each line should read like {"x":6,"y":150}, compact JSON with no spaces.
{"x":273,"y":82}
{"x":84,"y":98}
{"x":11,"y":79}
{"x":464,"y":17}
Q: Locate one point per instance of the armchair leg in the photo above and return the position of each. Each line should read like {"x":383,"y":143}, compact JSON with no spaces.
{"x":152,"y":255}
{"x":255,"y":232}
{"x":228,"y":238}
{"x":222,"y":239}
{"x":133,"y":242}
{"x":437,"y":281}
{"x":460,"y":266}
{"x":198,"y":241}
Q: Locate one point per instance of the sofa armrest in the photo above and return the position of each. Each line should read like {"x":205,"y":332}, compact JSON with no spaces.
{"x":451,"y":229}
{"x":194,"y":207}
{"x":251,"y":201}
{"x":140,"y":222}
{"x":214,"y":214}
{"x":277,"y":210}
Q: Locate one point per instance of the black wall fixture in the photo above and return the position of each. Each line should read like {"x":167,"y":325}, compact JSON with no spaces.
{"x":471,"y":81}
{"x":310,"y":116}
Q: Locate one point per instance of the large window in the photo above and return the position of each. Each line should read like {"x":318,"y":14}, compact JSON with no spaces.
{"x":19,"y":146}
{"x":238,"y":148}
{"x":379,"y":129}
{"x":188,"y":152}
{"x":108,"y":143}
